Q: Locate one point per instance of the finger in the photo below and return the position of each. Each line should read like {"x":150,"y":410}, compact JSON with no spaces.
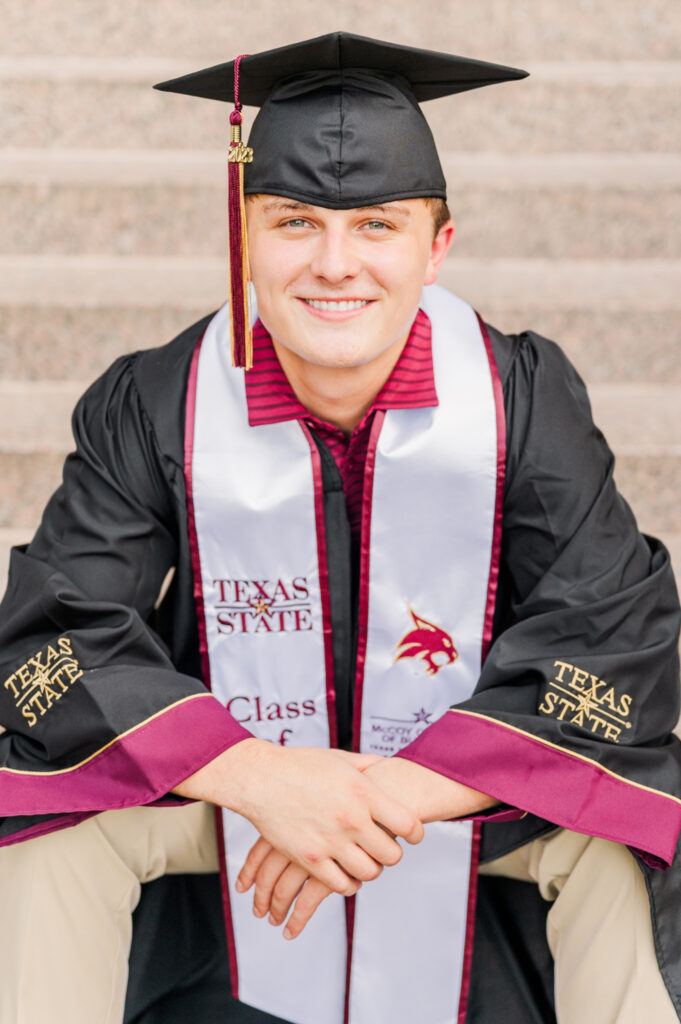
{"x":358,"y":864}
{"x":268,"y":875}
{"x":331,"y":875}
{"x":359,"y":761}
{"x":382,"y":846}
{"x":394,"y":817}
{"x":313,"y":893}
{"x":287,"y":887}
{"x":256,"y":855}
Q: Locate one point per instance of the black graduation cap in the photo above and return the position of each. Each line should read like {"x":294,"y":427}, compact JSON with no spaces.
{"x":339,"y":124}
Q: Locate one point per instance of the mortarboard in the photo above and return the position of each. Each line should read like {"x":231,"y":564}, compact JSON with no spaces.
{"x":339,"y":126}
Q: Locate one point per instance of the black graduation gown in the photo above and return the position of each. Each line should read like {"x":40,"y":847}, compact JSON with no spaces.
{"x":573,"y":565}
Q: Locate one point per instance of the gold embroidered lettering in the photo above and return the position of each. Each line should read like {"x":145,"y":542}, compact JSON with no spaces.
{"x":29,"y":716}
{"x":563,"y":666}
{"x":9,"y":684}
{"x":43,"y":680}
{"x":566,"y":706}
{"x":569,"y":699}
{"x":549,"y":703}
{"x":624,"y":706}
{"x":579,"y":677}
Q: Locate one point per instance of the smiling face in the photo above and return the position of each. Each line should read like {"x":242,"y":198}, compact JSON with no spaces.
{"x":340,"y":288}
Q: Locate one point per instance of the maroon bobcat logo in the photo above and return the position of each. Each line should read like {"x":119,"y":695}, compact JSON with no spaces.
{"x":426,"y":642}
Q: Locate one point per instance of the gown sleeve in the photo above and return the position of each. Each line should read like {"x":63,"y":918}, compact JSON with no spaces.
{"x":95,"y":716}
{"x":573,"y":714}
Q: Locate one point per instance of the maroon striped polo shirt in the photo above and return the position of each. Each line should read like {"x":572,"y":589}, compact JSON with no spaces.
{"x":271,"y":399}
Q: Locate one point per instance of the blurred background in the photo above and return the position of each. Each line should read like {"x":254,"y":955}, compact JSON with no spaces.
{"x":566,"y":190}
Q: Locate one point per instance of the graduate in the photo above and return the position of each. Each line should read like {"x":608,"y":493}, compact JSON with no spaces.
{"x":341,"y":565}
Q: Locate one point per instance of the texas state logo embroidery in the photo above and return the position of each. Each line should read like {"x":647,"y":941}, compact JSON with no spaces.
{"x":428,"y":642}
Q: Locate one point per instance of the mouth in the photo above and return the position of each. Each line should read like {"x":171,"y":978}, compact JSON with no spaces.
{"x":337,"y":305}
{"x":337,"y":311}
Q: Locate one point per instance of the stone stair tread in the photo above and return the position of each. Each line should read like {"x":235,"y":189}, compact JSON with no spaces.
{"x":210,"y":33}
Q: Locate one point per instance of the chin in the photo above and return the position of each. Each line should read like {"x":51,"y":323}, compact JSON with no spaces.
{"x":336,"y":360}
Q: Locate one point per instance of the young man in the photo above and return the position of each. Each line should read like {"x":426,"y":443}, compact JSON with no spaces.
{"x":394,"y":495}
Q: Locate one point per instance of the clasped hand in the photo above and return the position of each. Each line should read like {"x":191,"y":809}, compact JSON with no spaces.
{"x":279,"y":880}
{"x":282,"y":881}
{"x":327,"y":818}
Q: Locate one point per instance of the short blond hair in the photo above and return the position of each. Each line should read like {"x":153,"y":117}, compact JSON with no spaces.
{"x":439,"y":211}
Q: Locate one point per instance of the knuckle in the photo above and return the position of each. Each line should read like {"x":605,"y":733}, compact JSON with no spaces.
{"x":346,"y":820}
{"x":359,"y":788}
{"x":278,"y":902}
{"x":393,"y":856}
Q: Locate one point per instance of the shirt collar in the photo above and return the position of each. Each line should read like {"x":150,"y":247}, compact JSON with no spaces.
{"x":411,"y":385}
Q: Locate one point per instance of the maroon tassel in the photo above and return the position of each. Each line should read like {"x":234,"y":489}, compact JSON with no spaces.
{"x":239,"y":272}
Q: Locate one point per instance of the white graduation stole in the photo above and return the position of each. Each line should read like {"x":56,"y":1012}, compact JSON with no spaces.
{"x":425,"y":596}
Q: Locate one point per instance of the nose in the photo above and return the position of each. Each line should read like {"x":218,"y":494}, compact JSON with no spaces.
{"x":334,"y":258}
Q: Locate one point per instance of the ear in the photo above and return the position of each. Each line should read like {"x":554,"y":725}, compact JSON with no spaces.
{"x":438,"y":251}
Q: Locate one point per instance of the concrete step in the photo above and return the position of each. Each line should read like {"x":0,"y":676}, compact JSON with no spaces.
{"x":189,"y":220}
{"x":8,"y":538}
{"x":212,"y":31}
{"x":28,"y":481}
{"x":79,"y":343}
{"x":582,"y":106}
{"x":190,"y":284}
{"x":651,"y":486}
{"x":623,"y":345}
{"x":35,"y":416}
{"x":58,"y":343}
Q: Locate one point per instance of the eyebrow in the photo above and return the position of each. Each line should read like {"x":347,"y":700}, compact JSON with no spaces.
{"x":285,"y":204}
{"x":387,"y":210}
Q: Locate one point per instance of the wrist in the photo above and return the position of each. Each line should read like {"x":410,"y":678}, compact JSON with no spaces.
{"x":227,"y":779}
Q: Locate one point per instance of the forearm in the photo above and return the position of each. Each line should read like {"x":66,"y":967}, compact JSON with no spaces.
{"x":429,"y":795}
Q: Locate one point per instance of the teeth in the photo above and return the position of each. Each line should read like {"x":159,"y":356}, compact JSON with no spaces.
{"x":342,"y":305}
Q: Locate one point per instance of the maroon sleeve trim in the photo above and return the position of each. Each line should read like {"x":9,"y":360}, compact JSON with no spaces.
{"x":138,"y":767}
{"x":553,"y":783}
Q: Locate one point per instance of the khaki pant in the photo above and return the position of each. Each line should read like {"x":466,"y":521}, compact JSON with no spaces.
{"x":66,"y":901}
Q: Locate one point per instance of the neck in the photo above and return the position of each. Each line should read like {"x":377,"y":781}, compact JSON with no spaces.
{"x":339,"y":395}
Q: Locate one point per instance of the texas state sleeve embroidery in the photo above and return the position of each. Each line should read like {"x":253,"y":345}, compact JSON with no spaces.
{"x":43,"y":680}
{"x":580,"y":698}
